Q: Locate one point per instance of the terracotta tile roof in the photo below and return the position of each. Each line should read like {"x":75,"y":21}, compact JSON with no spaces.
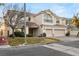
{"x":48,"y":10}
{"x":59,"y":25}
{"x":33,"y":14}
{"x":29,"y":24}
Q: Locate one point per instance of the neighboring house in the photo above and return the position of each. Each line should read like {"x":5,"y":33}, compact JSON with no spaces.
{"x":43,"y":22}
{"x":3,"y":29}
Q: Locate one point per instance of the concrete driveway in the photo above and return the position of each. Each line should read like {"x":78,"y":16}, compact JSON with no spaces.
{"x":68,"y":39}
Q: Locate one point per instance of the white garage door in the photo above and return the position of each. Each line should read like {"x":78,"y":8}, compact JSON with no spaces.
{"x":49,"y":32}
{"x":59,"y":32}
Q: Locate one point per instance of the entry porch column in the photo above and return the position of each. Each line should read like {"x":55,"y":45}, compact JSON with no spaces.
{"x":27,"y":30}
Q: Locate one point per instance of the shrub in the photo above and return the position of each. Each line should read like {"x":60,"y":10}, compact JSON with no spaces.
{"x":67,"y":34}
{"x":44,"y":34}
{"x":18,"y":34}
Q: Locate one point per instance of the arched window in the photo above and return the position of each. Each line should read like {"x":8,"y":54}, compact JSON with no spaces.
{"x":48,"y":18}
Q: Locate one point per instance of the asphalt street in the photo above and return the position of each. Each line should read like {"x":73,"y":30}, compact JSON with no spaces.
{"x":31,"y":51}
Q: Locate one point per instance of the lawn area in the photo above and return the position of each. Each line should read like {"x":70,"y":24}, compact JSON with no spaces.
{"x":31,"y":40}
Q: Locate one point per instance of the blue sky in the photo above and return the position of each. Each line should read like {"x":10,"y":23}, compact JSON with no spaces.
{"x":61,"y":9}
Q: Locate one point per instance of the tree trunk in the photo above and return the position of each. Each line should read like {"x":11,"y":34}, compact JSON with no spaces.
{"x":13,"y":34}
{"x":78,"y":34}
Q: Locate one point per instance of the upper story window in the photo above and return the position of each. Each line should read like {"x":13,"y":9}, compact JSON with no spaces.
{"x":48,"y":18}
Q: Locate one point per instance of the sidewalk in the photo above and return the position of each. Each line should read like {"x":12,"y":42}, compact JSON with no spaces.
{"x":65,"y":49}
{"x":5,"y":46}
{"x":70,"y":45}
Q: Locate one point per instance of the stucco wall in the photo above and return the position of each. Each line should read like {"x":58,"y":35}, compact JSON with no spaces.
{"x":38,"y":19}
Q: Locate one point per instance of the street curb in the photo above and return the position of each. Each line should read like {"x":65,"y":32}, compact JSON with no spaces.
{"x":5,"y":46}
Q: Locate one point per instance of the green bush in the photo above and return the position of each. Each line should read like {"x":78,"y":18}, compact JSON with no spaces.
{"x":44,"y":34}
{"x":18,"y":34}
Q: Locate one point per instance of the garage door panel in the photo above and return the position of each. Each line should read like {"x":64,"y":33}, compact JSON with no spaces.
{"x":49,"y":32}
{"x":59,"y":32}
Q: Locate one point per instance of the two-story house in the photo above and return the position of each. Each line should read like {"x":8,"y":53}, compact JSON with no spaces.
{"x":50,"y":23}
{"x":43,"y":22}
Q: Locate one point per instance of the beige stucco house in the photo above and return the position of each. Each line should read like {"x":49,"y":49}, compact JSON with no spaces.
{"x":49,"y":23}
{"x":43,"y":22}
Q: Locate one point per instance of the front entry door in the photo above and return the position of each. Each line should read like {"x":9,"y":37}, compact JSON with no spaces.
{"x":31,"y":31}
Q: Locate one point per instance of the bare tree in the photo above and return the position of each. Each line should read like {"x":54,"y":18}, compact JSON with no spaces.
{"x":12,"y":17}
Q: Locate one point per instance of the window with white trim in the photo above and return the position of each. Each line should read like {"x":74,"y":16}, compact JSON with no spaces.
{"x":48,"y":18}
